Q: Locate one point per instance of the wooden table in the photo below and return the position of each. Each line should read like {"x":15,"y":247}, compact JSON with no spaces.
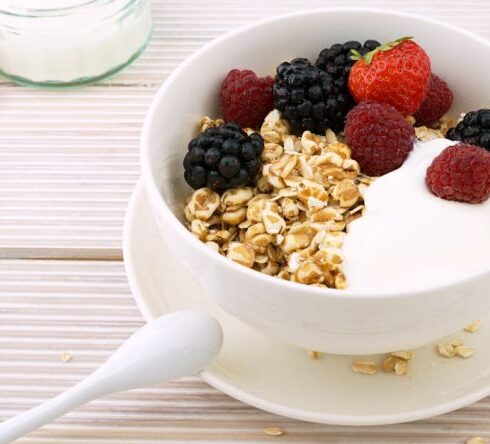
{"x":68,"y":163}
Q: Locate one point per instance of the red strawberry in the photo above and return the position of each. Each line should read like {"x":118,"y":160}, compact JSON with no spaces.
{"x":397,"y":73}
{"x":245,"y":98}
{"x":437,"y":102}
{"x":461,"y":172}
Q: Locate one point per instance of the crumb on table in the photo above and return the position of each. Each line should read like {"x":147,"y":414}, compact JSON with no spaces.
{"x":274,"y":431}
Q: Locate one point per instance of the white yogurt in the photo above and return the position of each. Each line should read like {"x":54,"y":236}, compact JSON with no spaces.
{"x":408,"y":238}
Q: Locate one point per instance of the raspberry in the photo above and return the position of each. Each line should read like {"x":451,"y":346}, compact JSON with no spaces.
{"x":461,"y":172}
{"x":379,"y":136}
{"x":437,"y":102}
{"x":245,"y":98}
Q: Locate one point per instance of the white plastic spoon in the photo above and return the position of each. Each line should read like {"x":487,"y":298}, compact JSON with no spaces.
{"x":170,"y":347}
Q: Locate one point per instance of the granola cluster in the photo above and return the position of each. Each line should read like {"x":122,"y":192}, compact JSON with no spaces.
{"x":397,"y":363}
{"x":292,"y":224}
{"x":454,"y":348}
{"x":437,"y":131}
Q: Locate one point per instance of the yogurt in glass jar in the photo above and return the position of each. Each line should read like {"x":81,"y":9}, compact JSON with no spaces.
{"x":70,"y":42}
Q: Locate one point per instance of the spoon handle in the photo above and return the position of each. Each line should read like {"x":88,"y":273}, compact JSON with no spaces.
{"x":170,"y":347}
{"x":24,"y":423}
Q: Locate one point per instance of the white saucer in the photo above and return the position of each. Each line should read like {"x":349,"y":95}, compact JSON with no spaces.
{"x":282,"y":379}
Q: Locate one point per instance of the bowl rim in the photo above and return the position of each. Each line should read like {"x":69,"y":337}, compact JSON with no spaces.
{"x":154,"y":194}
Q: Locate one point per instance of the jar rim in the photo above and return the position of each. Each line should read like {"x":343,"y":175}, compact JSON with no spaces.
{"x":24,"y":9}
{"x":82,"y":15}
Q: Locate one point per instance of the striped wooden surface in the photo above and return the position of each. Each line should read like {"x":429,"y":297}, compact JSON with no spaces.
{"x":85,"y":308}
{"x":69,"y":160}
{"x":68,"y":163}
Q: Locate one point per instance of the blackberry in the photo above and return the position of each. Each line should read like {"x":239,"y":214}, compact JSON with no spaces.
{"x":473,"y":129}
{"x":303,"y":94}
{"x":336,"y":60}
{"x":223,"y":157}
{"x":316,"y":97}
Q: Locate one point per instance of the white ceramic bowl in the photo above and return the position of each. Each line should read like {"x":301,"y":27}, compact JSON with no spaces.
{"x":335,"y":321}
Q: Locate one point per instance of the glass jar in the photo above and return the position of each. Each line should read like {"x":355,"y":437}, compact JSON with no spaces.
{"x":70,"y":42}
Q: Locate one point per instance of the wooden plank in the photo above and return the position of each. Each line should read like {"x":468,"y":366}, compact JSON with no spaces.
{"x":69,"y":159}
{"x":85,"y":308}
